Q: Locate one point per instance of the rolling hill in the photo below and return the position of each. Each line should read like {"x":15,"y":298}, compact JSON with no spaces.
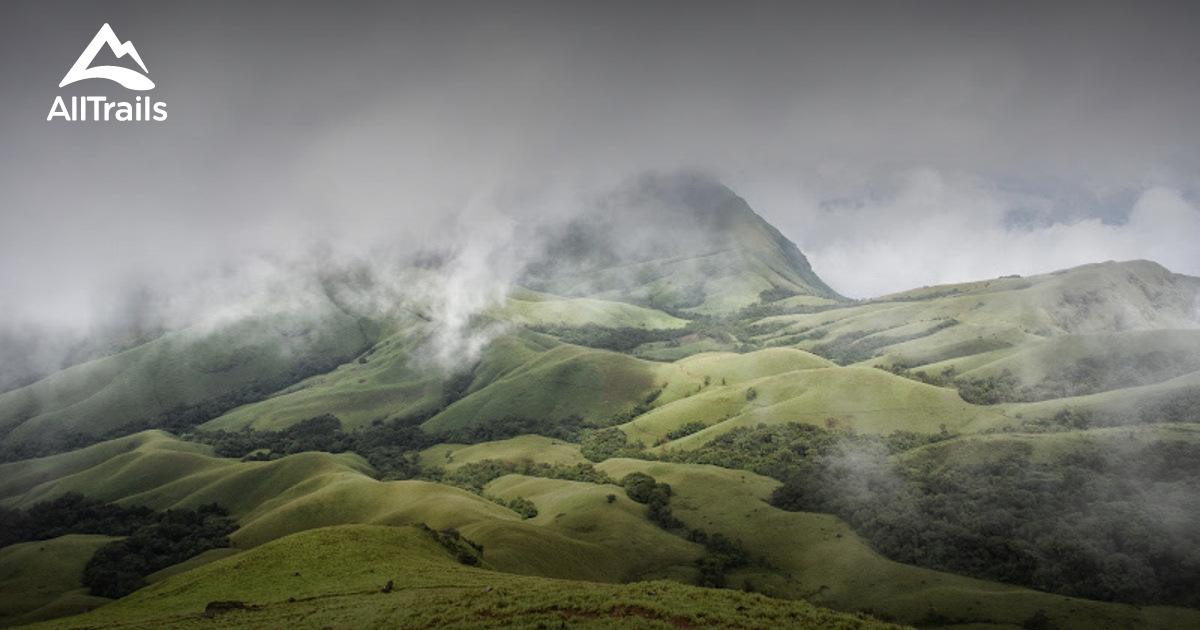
{"x":676,"y":335}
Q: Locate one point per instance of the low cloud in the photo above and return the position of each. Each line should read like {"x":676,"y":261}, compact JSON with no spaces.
{"x":937,"y":228}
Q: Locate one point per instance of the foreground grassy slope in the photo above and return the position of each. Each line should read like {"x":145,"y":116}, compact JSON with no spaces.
{"x":336,"y":577}
{"x":579,"y":533}
{"x":41,"y":579}
{"x":312,"y":490}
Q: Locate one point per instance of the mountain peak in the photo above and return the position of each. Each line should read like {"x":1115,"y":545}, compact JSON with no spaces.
{"x":677,"y":241}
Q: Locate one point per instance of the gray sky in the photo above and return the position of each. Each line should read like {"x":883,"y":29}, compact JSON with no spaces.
{"x":898,"y":143}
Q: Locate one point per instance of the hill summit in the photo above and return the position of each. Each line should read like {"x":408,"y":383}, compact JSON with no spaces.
{"x":681,"y":241}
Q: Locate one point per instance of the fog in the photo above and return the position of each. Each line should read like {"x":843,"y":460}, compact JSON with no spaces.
{"x":898,"y":145}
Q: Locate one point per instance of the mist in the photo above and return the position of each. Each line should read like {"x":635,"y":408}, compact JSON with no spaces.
{"x":898,"y":146}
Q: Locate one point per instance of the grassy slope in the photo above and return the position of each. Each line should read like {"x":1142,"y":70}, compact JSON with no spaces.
{"x":180,"y":368}
{"x":311,"y":490}
{"x":1114,"y":442}
{"x":1119,"y":403}
{"x":865,"y":400}
{"x":819,"y":558}
{"x":1034,"y":362}
{"x":577,"y":533}
{"x":534,"y":448}
{"x":334,"y":577}
{"x":1002,"y":313}
{"x":393,"y":381}
{"x":41,"y":579}
{"x":562,"y":381}
{"x":528,"y":308}
{"x":382,"y":383}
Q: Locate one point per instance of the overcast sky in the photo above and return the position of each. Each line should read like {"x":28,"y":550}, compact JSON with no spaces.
{"x":897,"y":143}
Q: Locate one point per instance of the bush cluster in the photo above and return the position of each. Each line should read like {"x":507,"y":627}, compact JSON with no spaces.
{"x":154,"y":540}
{"x":391,"y":447}
{"x":476,"y":475}
{"x":71,"y":513}
{"x":722,"y":552}
{"x":120,"y":567}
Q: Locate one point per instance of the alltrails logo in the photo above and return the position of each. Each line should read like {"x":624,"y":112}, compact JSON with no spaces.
{"x":99,"y":107}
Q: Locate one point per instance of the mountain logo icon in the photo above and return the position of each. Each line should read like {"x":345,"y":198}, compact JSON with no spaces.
{"x":131,"y":79}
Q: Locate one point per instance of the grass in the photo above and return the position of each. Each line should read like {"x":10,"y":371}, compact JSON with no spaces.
{"x":534,"y":448}
{"x":864,"y":400}
{"x":41,"y":579}
{"x":384,"y":382}
{"x":180,"y":368}
{"x":819,"y":558}
{"x":313,"y":513}
{"x":1115,"y":442}
{"x":1033,"y":363}
{"x":563,"y":381}
{"x":1002,"y":313}
{"x":338,"y":577}
{"x":633,"y":548}
{"x":532,"y":309}
{"x":578,"y":533}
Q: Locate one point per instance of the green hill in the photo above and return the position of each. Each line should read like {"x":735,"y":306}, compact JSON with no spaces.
{"x":362,"y":576}
{"x":579,"y":533}
{"x":197,"y":371}
{"x":673,"y":325}
{"x":41,"y":579}
{"x":678,"y":242}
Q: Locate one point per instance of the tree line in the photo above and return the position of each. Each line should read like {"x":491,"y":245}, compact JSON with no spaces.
{"x":152,"y":540}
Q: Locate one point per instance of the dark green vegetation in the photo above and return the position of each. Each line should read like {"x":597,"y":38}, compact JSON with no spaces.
{"x":71,"y":513}
{"x":1094,"y":522}
{"x":390,"y":447}
{"x":684,"y":401}
{"x":152,"y":540}
{"x":476,"y":475}
{"x":120,"y":568}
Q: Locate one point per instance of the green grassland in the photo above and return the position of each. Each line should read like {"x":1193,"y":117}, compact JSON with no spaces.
{"x":1113,"y":360}
{"x":534,"y":448}
{"x":1113,"y":347}
{"x":563,"y":381}
{"x":996,"y":314}
{"x":339,"y":577}
{"x":819,"y":558}
{"x":862,"y":400}
{"x":578,"y":533}
{"x":182,"y":368}
{"x":41,"y":579}
{"x":383,"y":382}
{"x":528,"y":308}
